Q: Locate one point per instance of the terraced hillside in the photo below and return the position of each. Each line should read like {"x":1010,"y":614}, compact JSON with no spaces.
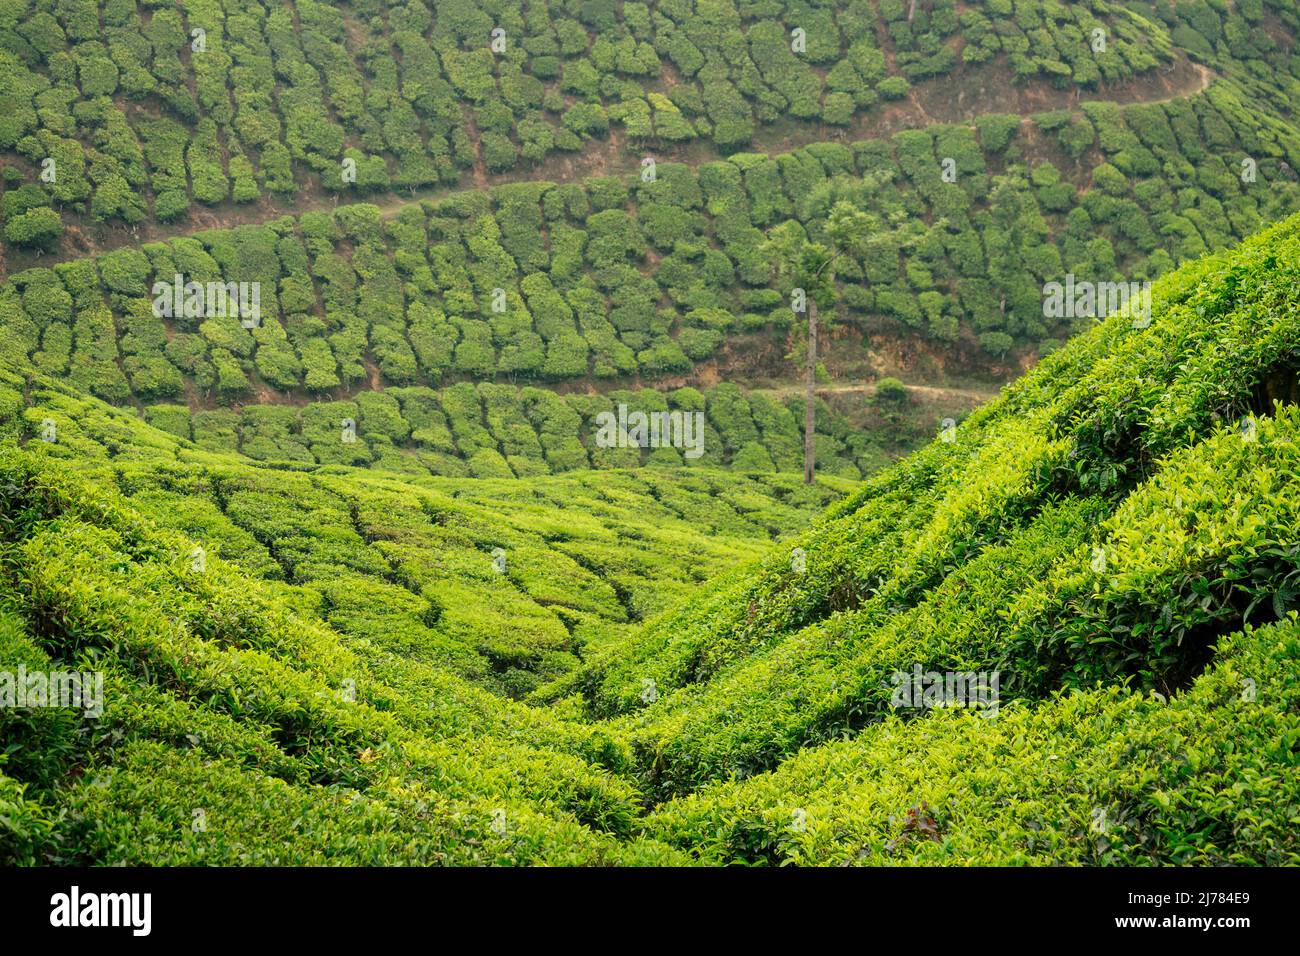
{"x":614,"y":278}
{"x":151,"y":110}
{"x":994,"y":148}
{"x":1115,"y":534}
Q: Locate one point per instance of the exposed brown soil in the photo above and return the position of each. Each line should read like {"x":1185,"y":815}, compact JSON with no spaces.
{"x":868,"y":390}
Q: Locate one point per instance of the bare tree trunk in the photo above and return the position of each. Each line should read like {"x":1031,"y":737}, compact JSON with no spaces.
{"x":809,"y":413}
{"x":911,"y":11}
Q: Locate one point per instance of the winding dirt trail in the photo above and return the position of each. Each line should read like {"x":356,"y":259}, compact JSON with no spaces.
{"x":868,"y":390}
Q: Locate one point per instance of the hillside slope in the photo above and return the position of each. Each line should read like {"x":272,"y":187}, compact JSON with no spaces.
{"x":154,"y":112}
{"x":1118,"y":536}
{"x":1154,"y":454}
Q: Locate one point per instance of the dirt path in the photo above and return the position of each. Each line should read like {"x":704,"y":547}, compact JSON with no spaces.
{"x":1204,"y":77}
{"x":980,"y":91}
{"x":868,"y":390}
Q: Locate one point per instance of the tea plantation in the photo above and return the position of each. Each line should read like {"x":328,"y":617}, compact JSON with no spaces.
{"x":350,"y":678}
{"x":678,"y":432}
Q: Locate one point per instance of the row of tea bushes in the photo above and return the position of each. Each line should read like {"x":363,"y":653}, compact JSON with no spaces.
{"x":1102,"y":777}
{"x":497,"y":431}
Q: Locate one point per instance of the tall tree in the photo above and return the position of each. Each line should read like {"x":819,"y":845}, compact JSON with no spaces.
{"x":806,"y":268}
